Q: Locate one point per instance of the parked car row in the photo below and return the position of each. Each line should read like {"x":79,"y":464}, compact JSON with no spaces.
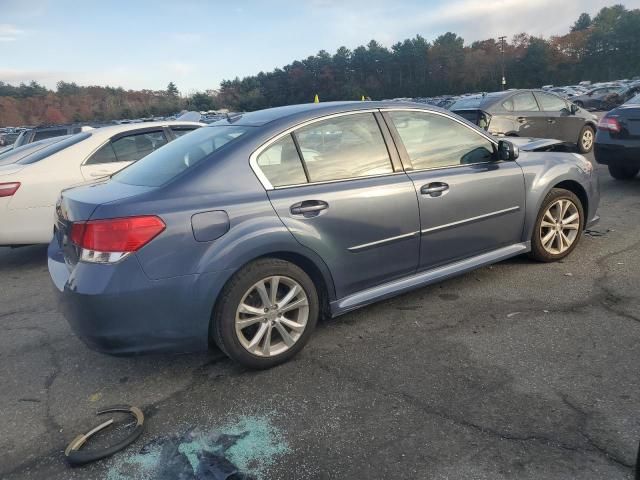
{"x":243,"y":232}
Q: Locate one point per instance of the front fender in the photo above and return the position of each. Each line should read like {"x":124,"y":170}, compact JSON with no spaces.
{"x":545,"y":170}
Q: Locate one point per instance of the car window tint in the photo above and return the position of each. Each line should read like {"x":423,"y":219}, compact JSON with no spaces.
{"x":134,"y":147}
{"x":435,"y":141}
{"x":161,"y":166}
{"x":524,"y":102}
{"x":104,"y":154}
{"x":49,"y":134}
{"x":551,"y":103}
{"x":348,"y":146}
{"x":281,"y":163}
{"x":179,"y":131}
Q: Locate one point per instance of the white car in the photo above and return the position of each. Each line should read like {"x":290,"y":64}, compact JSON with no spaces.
{"x":32,"y":176}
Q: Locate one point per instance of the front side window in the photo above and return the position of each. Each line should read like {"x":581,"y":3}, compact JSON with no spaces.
{"x":134,"y":147}
{"x":179,"y":131}
{"x":551,"y":103}
{"x":281,"y":163}
{"x":436,"y":141}
{"x":349,"y":146}
{"x":524,"y":102}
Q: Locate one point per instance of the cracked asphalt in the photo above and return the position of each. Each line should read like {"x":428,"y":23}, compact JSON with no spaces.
{"x":516,"y":371}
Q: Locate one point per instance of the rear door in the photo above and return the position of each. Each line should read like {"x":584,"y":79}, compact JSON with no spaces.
{"x":469,"y":202}
{"x":562,"y":124}
{"x":122,"y":150}
{"x":528,"y":120}
{"x":336,"y":187}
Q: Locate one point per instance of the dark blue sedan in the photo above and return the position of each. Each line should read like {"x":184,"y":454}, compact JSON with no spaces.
{"x":244,"y":232}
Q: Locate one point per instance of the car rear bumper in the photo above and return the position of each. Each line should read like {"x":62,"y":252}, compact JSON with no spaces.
{"x":117,"y":309}
{"x":618,"y":154}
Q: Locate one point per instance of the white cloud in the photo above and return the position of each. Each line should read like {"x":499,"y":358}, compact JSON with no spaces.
{"x":10,"y":33}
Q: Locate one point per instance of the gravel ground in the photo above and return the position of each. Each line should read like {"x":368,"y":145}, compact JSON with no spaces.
{"x":515,"y":371}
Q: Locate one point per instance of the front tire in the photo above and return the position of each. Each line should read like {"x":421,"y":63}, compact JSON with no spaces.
{"x":623,"y":172}
{"x":585,"y":139}
{"x":558,"y":227}
{"x":266,"y":313}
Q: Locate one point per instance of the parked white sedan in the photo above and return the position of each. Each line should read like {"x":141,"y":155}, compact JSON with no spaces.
{"x":32,"y":176}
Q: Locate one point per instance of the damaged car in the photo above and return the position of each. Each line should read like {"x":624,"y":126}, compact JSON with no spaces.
{"x":245,"y":232}
{"x":530,"y":113}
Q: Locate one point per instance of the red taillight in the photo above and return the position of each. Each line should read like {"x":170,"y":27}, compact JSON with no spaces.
{"x":8,"y":189}
{"x":610,"y":124}
{"x":116,"y":234}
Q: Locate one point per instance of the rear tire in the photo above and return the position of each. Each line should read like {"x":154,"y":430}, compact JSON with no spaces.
{"x":623,"y":172}
{"x":248,"y":324}
{"x":585,"y":139}
{"x":558,"y":227}
{"x":579,"y":104}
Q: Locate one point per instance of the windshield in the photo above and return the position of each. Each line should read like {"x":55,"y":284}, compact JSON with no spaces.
{"x":168,"y":162}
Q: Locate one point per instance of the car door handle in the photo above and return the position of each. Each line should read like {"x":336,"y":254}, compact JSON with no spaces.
{"x":551,"y":120}
{"x":308,"y":208}
{"x":435,"y":189}
{"x":521,"y":119}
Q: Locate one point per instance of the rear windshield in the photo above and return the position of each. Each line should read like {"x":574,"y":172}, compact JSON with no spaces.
{"x":168,"y":162}
{"x":36,"y":151}
{"x":57,"y":144}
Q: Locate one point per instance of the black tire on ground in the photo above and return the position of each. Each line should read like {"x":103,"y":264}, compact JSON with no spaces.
{"x":579,"y":104}
{"x":586,"y":130}
{"x":622,"y":172}
{"x":538,"y":252}
{"x":222,"y":328}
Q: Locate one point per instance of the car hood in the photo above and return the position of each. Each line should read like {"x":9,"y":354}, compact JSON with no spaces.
{"x":535,"y":144}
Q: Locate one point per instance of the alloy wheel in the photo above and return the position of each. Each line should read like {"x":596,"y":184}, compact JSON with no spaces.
{"x":587,"y":139}
{"x":559,"y":227}
{"x":272,"y":316}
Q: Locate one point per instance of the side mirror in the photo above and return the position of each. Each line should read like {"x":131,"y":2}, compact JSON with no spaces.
{"x":574,"y":109}
{"x":507,"y":151}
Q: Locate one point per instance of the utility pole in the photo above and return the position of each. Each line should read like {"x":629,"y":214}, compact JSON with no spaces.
{"x":504,"y":80}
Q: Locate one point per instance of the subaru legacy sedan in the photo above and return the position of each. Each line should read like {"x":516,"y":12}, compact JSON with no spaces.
{"x":243,"y":233}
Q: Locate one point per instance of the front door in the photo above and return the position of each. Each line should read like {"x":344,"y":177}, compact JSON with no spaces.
{"x":336,"y":190}
{"x":469,"y":202}
{"x":563,"y":125}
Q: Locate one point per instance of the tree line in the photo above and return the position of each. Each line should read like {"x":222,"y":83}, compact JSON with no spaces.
{"x":604,"y":47}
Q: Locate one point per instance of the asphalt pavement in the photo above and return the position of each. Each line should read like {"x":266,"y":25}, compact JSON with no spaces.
{"x":520,"y":371}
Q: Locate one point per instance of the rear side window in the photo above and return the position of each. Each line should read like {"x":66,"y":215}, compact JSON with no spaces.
{"x":524,"y":102}
{"x":162,"y":165}
{"x":435,"y":141}
{"x":349,"y":146}
{"x":281,"y":163}
{"x":551,"y":103}
{"x":134,"y":147}
{"x":104,"y":154}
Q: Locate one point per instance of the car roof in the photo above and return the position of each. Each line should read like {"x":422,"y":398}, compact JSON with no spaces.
{"x":111,"y":130}
{"x":304,"y":111}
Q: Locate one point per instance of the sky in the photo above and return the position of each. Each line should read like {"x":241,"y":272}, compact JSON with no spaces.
{"x":140,"y":44}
